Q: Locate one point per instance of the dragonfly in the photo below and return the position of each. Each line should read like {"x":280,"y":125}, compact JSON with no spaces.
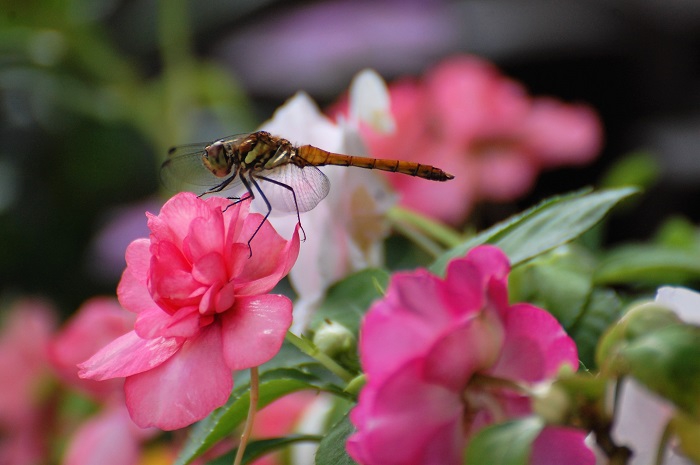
{"x":285,"y":176}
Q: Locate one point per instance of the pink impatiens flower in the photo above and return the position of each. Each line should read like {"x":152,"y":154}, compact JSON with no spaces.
{"x":439,"y":355}
{"x":470,"y":120}
{"x":96,"y":323}
{"x":24,"y":375}
{"x":202,"y":309}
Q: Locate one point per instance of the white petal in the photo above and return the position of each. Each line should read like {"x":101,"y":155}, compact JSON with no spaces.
{"x":370,"y":102}
{"x":684,"y":302}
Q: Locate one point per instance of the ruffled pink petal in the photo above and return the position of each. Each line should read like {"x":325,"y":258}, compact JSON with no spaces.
{"x":273,"y":261}
{"x":183,"y":323}
{"x":559,"y":445}
{"x":210,"y":268}
{"x":235,"y":217}
{"x":138,"y":259}
{"x":225,"y":298}
{"x":133,"y":295}
{"x":399,"y":420}
{"x":173,"y":222}
{"x":206,"y":236}
{"x":254,"y":329}
{"x":407,"y":321}
{"x":150,"y":323}
{"x":132,"y":290}
{"x":185,"y":389}
{"x":128,"y":355}
{"x":536,"y":345}
{"x":171,"y":279}
{"x":490,"y":260}
{"x":471,"y":347}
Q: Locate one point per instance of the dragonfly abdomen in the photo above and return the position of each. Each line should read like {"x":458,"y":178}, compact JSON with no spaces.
{"x":317,"y":157}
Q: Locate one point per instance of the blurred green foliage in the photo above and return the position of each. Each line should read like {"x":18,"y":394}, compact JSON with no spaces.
{"x":84,"y":127}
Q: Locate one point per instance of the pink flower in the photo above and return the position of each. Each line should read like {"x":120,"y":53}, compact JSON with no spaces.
{"x":468,"y":119}
{"x":24,"y":373}
{"x":202,"y":309}
{"x":108,"y":438}
{"x":431,"y":350}
{"x":97,"y":322}
{"x":285,"y":416}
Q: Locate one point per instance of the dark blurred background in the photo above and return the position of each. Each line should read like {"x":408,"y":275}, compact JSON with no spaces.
{"x":93,"y":92}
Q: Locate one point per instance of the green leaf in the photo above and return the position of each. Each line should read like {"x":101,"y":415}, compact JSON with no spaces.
{"x":667,"y":361}
{"x":650,"y":264}
{"x":507,"y":443}
{"x":634,"y":169}
{"x":259,"y":448}
{"x":553,"y":222}
{"x":223,"y":421}
{"x":603,"y":309}
{"x":558,"y":281}
{"x":677,"y":232}
{"x":331,"y":451}
{"x":348,"y":300}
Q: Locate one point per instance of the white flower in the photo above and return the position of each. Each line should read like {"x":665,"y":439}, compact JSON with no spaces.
{"x":345,"y":232}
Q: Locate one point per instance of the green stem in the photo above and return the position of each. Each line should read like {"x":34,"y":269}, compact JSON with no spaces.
{"x":663,"y":444}
{"x":312,"y":351}
{"x":433,"y":229}
{"x":418,"y":238}
{"x":250,"y":420}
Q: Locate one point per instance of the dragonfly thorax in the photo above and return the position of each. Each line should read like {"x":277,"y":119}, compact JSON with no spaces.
{"x":262,"y":151}
{"x":216,"y":160}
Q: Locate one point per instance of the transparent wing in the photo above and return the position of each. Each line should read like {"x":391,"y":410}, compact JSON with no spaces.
{"x":309,"y":184}
{"x":184,"y":171}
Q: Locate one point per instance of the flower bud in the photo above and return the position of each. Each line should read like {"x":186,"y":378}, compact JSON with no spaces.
{"x":638,"y":321}
{"x":337,"y":341}
{"x":552,"y":404}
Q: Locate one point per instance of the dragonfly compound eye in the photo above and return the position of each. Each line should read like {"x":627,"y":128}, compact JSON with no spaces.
{"x":216,"y":161}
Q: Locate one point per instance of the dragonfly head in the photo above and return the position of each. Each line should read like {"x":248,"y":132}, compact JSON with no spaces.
{"x":216,"y":160}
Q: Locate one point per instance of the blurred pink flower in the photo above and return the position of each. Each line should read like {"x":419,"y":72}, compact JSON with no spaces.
{"x":202,"y":309}
{"x":96,"y":323}
{"x":282,"y":417}
{"x":468,"y":119}
{"x":108,"y":438}
{"x":24,"y":375}
{"x":429,"y":350}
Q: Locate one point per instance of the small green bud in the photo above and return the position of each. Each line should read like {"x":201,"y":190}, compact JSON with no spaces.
{"x":335,"y":340}
{"x":552,"y":404}
{"x":640,"y":320}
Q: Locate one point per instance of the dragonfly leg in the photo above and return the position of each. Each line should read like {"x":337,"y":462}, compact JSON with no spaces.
{"x":237,"y":200}
{"x":294,"y":196}
{"x":246,"y":183}
{"x":219,"y":187}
